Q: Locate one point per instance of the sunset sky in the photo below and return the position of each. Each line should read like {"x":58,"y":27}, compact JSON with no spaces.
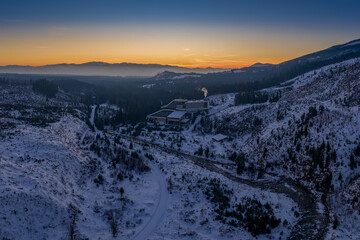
{"x":226,"y":34}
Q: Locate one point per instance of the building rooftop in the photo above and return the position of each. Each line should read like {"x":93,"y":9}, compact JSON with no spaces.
{"x":177,"y":114}
{"x":201,"y":104}
{"x":197,"y":101}
{"x":162,"y":113}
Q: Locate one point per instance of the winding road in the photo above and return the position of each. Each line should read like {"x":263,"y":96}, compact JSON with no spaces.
{"x":311,"y":224}
{"x":160,"y":209}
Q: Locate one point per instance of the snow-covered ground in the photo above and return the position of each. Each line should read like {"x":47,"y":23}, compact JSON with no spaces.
{"x":333,"y":91}
{"x":191,"y":216}
{"x":48,"y":173}
{"x":60,"y":178}
{"x":45,"y":175}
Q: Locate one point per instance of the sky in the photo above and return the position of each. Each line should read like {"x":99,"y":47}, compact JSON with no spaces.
{"x":205,"y":33}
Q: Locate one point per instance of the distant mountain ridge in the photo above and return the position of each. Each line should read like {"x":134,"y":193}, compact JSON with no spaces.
{"x":103,"y":69}
{"x":262,"y":65}
{"x":256,"y":71}
{"x":290,"y":68}
{"x":268,"y":75}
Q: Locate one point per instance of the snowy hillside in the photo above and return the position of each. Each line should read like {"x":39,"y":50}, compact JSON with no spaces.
{"x":63,"y":178}
{"x":58,"y":178}
{"x":287,"y":167}
{"x":310,"y":134}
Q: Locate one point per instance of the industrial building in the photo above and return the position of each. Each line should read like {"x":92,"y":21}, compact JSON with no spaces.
{"x":178,"y":112}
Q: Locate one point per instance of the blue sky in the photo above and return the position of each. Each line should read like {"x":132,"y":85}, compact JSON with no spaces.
{"x":304,"y":14}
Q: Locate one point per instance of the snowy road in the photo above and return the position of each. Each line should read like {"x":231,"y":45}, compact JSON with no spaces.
{"x":160,"y":209}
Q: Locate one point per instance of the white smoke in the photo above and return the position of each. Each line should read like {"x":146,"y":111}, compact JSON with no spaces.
{"x":205,"y":91}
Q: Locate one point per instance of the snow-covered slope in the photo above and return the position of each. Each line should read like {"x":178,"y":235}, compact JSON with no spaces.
{"x":63,"y":178}
{"x":60,"y":180}
{"x":309,"y":134}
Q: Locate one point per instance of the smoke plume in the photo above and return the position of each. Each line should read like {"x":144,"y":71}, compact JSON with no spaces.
{"x":205,"y":91}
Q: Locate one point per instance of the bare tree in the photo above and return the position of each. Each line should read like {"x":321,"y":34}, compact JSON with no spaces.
{"x":73,"y":212}
{"x":114,"y":217}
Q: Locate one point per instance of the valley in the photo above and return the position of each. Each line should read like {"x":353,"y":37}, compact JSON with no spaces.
{"x":286,"y":164}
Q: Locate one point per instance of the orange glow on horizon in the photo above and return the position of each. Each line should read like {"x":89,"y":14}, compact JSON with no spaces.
{"x":177,"y":46}
{"x":190,"y":66}
{"x":233,"y":65}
